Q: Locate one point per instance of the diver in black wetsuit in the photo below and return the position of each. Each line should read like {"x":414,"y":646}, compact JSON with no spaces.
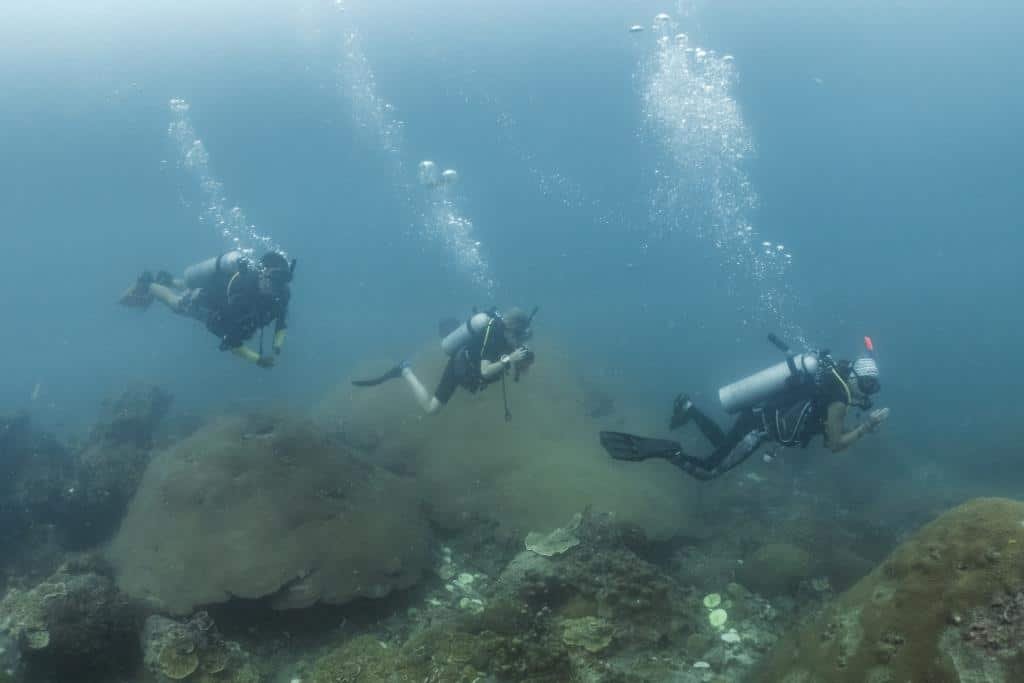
{"x":481,"y":351}
{"x":233,"y":295}
{"x":791,"y":418}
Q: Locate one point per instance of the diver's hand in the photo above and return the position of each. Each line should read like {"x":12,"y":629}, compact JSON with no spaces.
{"x":519,"y":355}
{"x":876,"y":418}
{"x":266,"y":362}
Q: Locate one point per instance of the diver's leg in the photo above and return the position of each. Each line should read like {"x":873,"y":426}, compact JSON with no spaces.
{"x":167,"y":296}
{"x":736,"y":450}
{"x":168,"y":280}
{"x":746,"y":423}
{"x":683,"y":410}
{"x":711,"y":431}
{"x":431,"y":403}
{"x":695,"y":468}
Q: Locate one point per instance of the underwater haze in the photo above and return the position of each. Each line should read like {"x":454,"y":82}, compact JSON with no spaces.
{"x":667,"y":185}
{"x":667,"y":197}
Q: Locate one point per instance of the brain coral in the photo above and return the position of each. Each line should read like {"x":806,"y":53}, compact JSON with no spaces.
{"x":255,"y":508}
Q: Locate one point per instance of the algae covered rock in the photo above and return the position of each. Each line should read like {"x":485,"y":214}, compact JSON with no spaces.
{"x":9,"y":659}
{"x":946,"y":606}
{"x":133,"y":417}
{"x":75,"y":617}
{"x":602,"y":577}
{"x":453,"y":653}
{"x":776,"y":568}
{"x":109,"y":468}
{"x":36,"y":472}
{"x":261,"y":508}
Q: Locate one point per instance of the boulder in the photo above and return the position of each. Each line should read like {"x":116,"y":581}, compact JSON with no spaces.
{"x":268,"y":508}
{"x":108,"y":469}
{"x":133,"y":417}
{"x":775,"y":569}
{"x":36,"y":475}
{"x":946,"y":606}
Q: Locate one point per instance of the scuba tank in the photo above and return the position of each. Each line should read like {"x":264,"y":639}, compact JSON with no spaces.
{"x":458,"y":338}
{"x":199,"y":275}
{"x":757,"y":388}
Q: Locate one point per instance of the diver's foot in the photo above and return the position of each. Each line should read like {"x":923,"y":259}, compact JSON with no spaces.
{"x":680,"y":411}
{"x":396,"y":372}
{"x":138,"y":295}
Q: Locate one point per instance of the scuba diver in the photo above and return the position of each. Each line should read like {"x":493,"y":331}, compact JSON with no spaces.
{"x":787,"y":404}
{"x":232,"y":294}
{"x":481,"y":351}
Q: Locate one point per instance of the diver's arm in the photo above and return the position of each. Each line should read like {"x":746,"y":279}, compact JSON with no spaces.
{"x":249,"y":355}
{"x":837,"y":438}
{"x":492,"y":369}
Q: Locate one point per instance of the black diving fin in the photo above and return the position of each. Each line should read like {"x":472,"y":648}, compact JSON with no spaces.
{"x":393,"y":373}
{"x":630,"y":447}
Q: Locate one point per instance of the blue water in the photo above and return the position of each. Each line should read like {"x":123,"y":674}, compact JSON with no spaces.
{"x":886,"y":158}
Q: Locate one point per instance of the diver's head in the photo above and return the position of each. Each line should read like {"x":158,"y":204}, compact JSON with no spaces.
{"x":864,"y":376}
{"x":517,"y":326}
{"x":275,"y":272}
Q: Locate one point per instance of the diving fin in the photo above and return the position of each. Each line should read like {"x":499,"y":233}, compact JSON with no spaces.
{"x":393,"y":373}
{"x":138,"y":296}
{"x":630,"y":447}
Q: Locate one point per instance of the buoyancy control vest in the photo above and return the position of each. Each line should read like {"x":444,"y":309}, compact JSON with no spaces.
{"x":798,"y":414}
{"x":481,"y":336}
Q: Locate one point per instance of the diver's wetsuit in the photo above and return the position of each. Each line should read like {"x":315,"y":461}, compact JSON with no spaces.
{"x":792,"y":419}
{"x":233,"y":308}
{"x":463,"y":369}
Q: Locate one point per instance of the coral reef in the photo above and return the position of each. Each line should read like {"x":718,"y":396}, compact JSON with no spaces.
{"x":265,"y":508}
{"x":194,"y":650}
{"x":76,"y":620}
{"x":595,"y":612}
{"x":946,"y":605}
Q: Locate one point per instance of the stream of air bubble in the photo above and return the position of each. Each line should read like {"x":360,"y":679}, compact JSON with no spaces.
{"x":704,"y":188}
{"x":434,"y":199}
{"x":229,"y":221}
